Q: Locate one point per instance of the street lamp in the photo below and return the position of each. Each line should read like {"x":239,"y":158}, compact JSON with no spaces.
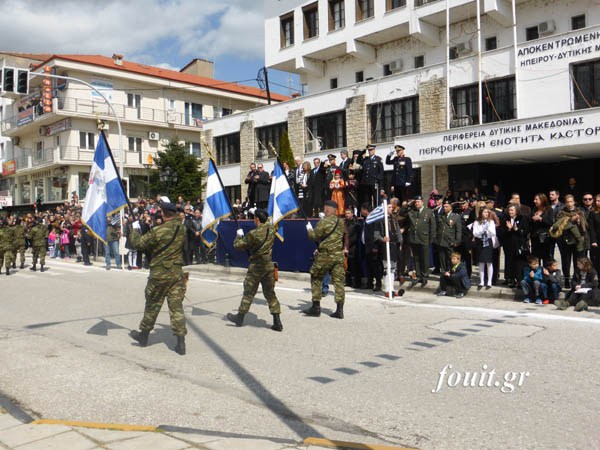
{"x":166,"y":176}
{"x":147,"y":166}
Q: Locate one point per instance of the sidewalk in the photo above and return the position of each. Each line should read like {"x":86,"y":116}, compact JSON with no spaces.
{"x":20,"y":432}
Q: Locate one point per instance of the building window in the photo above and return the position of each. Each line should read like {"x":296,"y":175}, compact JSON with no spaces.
{"x":419,"y":61}
{"x":586,"y":84}
{"x":499,"y":100}
{"x":228,"y":149}
{"x":226,"y":112}
{"x":329,"y":129}
{"x":393,"y":4}
{"x":193,"y":114}
{"x":194,"y":148}
{"x":333,"y":83}
{"x":464,"y":105}
{"x":364,"y":9}
{"x":287,"y":30}
{"x":171,"y":105}
{"x":423,"y":2}
{"x":233,"y":193}
{"x":386,"y":70}
{"x":135,"y":144}
{"x":86,"y":140}
{"x":394,"y":118}
{"x":270,"y":134}
{"x":337,"y":13}
{"x":453,"y":51}
{"x":491,"y":43}
{"x":359,"y":76}
{"x":532,"y":33}
{"x":134,"y":100}
{"x":578,"y":22}
{"x":311,"y":20}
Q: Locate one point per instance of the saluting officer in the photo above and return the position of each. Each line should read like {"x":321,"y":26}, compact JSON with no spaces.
{"x":38,"y":235}
{"x":371,"y":177}
{"x":402,"y":173}
{"x":165,"y":244}
{"x":259,"y":242}
{"x":421,"y":233}
{"x":329,"y":258}
{"x":449,"y":231}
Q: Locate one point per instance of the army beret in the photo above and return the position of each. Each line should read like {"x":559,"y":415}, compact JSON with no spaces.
{"x":331,"y":156}
{"x":398,"y":146}
{"x":331,"y":203}
{"x":168,"y":206}
{"x":417,"y":197}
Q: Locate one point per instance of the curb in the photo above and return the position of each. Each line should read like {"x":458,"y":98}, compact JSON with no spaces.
{"x":98,"y":425}
{"x":343,"y":445}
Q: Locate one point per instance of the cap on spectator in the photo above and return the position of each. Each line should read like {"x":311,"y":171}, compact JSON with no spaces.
{"x":331,"y":203}
{"x":331,"y":156}
{"x":337,"y":172}
{"x":417,"y":197}
{"x":399,"y":147}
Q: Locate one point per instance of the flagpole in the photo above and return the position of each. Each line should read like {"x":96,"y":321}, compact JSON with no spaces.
{"x":293,"y":190}
{"x":387,"y":248}
{"x":221,"y":182}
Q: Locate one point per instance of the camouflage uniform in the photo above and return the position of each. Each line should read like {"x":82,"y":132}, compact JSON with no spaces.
{"x":19,"y":243}
{"x":329,"y":257}
{"x":259,"y":242}
{"x":165,"y":243}
{"x":7,"y":238}
{"x":38,"y":234}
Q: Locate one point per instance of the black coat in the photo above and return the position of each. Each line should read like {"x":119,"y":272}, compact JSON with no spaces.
{"x":251,"y":193}
{"x":536,"y":228}
{"x":515,"y":239}
{"x":594,"y":227}
{"x":263,"y":187}
{"x":345,"y":167}
{"x":317,"y":185}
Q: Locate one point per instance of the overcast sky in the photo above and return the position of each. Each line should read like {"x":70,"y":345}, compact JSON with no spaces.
{"x":167,"y":33}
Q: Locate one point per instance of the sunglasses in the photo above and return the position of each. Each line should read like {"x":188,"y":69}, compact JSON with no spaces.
{"x":587,"y":199}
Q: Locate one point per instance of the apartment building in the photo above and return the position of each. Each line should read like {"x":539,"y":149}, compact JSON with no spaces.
{"x":479,"y":92}
{"x":49,"y":152}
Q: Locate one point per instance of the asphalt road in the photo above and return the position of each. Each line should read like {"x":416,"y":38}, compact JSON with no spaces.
{"x":531,"y":372}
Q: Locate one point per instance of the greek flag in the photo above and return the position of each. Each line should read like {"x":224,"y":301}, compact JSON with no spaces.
{"x":282,"y":201}
{"x":375,"y":215}
{"x":105,"y":194}
{"x":216,"y":206}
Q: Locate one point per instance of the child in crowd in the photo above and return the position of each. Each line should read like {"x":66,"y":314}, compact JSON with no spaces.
{"x":552,"y":282}
{"x":532,"y":280}
{"x":456,"y":279}
{"x":584,"y":287}
{"x":52,"y":243}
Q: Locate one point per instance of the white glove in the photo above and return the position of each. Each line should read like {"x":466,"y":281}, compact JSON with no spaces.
{"x":321,"y":215}
{"x":136,"y":225}
{"x":309,"y":226}
{"x":407,"y":184}
{"x":240,"y":232}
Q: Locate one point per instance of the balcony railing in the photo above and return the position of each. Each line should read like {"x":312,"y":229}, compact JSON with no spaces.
{"x":84,"y":107}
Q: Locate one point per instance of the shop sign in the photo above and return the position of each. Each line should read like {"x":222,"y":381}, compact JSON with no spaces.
{"x":6,"y":201}
{"x":9,"y":167}
{"x":25,"y":116}
{"x":58,"y":127}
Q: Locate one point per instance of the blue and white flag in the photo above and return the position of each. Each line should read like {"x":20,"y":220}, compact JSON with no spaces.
{"x":105,"y":194}
{"x":375,"y":215}
{"x":282,"y":201}
{"x":216,"y":206}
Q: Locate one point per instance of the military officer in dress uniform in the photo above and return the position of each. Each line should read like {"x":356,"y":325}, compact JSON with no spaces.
{"x":259,"y":243}
{"x":165,"y":244}
{"x":449,"y":231}
{"x":421,"y":233}
{"x":329,"y":258}
{"x":371,"y":177}
{"x":38,"y":235}
{"x":402,"y":173}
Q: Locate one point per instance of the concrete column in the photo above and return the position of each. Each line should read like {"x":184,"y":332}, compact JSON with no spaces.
{"x":247,"y":148}
{"x":297,"y":132}
{"x":356,"y":123}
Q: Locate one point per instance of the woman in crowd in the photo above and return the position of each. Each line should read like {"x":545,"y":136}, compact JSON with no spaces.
{"x":513,"y":235}
{"x":541,"y":221}
{"x":584,"y":287}
{"x":594,"y":223}
{"x":302,"y":189}
{"x":484,"y":232}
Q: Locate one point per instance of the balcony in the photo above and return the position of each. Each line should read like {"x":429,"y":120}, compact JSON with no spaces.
{"x":72,"y":107}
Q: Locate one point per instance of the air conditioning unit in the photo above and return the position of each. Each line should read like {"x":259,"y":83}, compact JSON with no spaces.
{"x":42,"y":131}
{"x":396,"y":66}
{"x":153,"y":136}
{"x":313,"y":146}
{"x":463,"y":48}
{"x":462,"y":121}
{"x":546,"y":28}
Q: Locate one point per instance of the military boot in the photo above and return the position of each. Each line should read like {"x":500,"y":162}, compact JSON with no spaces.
{"x":581,"y":306}
{"x":561,"y":304}
{"x":180,"y":346}
{"x":314,"y":310}
{"x":42,"y":268}
{"x":14,"y":266}
{"x":33,"y":268}
{"x":7,"y":271}
{"x":238,"y":319}
{"x":22,"y":266}
{"x":277,"y":326}
{"x":339,"y":311}
{"x":140,"y":336}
